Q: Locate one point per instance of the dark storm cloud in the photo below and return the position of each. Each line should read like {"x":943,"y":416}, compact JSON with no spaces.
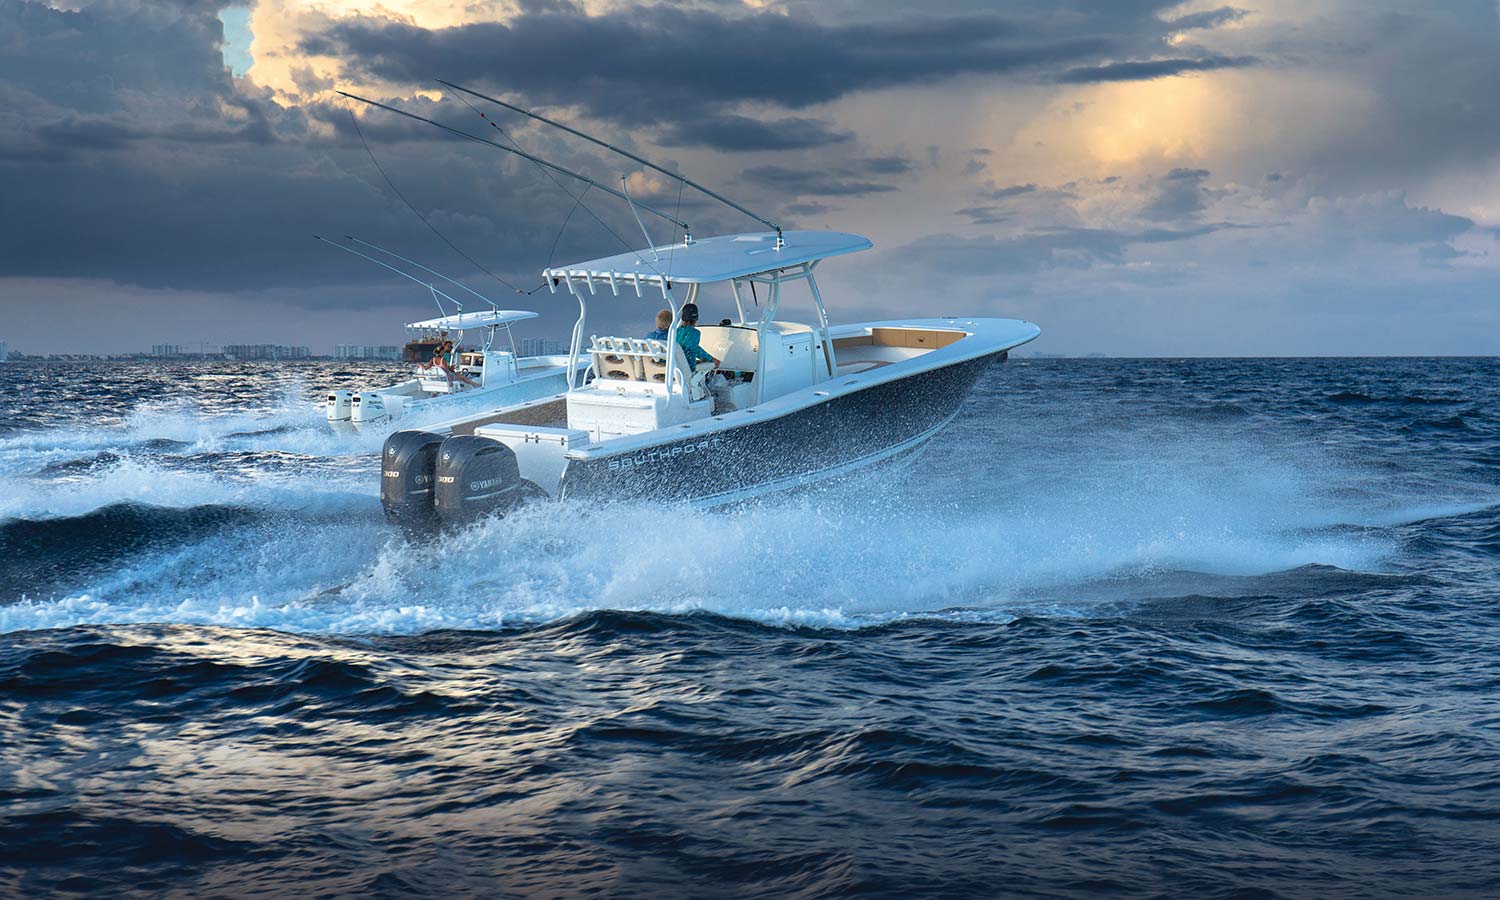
{"x":81,"y":59}
{"x":122,"y":115}
{"x":662,"y":63}
{"x":71,"y":134}
{"x":1145,"y":70}
{"x":139,"y":160}
{"x":736,"y":134}
{"x":95,"y":133}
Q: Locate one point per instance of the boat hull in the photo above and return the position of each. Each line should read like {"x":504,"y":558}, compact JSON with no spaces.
{"x":838,"y":436}
{"x":404,"y":409}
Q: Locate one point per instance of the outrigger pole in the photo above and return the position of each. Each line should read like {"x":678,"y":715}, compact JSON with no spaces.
{"x":407,"y":275}
{"x":625,"y":153}
{"x":412,"y":262}
{"x":686,"y":229}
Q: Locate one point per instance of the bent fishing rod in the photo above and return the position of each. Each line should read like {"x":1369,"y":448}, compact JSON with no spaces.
{"x":686,"y":228}
{"x":625,"y":153}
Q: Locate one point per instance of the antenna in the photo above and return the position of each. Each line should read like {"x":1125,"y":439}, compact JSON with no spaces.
{"x":625,"y":153}
{"x":536,"y":159}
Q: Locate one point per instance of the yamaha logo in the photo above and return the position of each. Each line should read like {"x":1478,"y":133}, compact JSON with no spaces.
{"x":447,"y":455}
{"x":391,"y":451}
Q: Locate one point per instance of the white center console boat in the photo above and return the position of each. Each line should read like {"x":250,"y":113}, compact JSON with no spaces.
{"x":789,"y":403}
{"x":480,"y":379}
{"x":467,"y":379}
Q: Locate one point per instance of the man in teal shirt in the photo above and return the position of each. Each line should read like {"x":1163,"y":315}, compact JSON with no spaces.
{"x":688,"y":337}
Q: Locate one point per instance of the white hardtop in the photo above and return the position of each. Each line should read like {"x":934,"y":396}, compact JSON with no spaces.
{"x":713,"y":259}
{"x":482,"y":319}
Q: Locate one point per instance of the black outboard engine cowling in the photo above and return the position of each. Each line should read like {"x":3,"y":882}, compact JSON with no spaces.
{"x":407,"y":464}
{"x":475,"y":476}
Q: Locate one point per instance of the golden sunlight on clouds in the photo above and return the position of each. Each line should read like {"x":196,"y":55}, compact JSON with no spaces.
{"x":1101,"y":129}
{"x":279,"y":26}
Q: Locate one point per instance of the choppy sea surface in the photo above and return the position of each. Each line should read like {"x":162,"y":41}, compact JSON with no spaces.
{"x":1162,"y":628}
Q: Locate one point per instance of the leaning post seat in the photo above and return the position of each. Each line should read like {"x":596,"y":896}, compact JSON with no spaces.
{"x":655,"y":362}
{"x":636,"y":359}
{"x":616,"y":358}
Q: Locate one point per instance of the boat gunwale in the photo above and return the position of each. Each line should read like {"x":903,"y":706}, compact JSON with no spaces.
{"x":831,"y":388}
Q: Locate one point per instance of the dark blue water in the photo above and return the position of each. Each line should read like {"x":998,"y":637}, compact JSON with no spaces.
{"x":1129,"y":628}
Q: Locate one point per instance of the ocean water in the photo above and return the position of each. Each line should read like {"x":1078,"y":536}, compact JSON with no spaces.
{"x":1129,"y":628}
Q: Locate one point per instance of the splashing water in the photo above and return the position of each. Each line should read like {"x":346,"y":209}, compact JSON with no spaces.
{"x":1030,"y":503}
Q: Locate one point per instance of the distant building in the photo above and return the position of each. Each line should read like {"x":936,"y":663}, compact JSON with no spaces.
{"x":366,"y":351}
{"x":540,"y":347}
{"x":265,"y":351}
{"x":167,"y":350}
{"x":4,"y":352}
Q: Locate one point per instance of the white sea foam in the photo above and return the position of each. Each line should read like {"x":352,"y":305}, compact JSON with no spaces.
{"x":804,"y":562}
{"x":1034,"y":525}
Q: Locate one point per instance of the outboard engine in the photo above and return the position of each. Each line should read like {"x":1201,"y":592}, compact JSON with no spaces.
{"x":368,"y":407}
{"x":475,"y":476}
{"x":407,"y":476}
{"x":339,"y":403}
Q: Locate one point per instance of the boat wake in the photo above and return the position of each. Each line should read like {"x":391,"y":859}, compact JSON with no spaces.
{"x":860,"y":555}
{"x":192,"y":514}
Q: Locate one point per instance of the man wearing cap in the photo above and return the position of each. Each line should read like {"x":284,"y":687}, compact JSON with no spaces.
{"x":688,"y":337}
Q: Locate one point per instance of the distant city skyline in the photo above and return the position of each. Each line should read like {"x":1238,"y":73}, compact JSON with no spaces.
{"x":1150,"y":178}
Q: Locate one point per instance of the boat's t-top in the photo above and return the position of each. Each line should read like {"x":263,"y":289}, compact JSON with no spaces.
{"x":642,"y":384}
{"x":428,"y":336}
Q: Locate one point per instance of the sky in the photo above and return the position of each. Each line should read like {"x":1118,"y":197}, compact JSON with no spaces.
{"x":1140,"y":178}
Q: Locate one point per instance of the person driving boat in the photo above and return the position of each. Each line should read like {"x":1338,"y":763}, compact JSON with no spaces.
{"x":688,"y":338}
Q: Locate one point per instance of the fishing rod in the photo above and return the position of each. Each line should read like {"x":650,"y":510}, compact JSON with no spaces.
{"x":687,"y":229}
{"x":407,"y":275}
{"x":625,"y":153}
{"x":412,"y":262}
